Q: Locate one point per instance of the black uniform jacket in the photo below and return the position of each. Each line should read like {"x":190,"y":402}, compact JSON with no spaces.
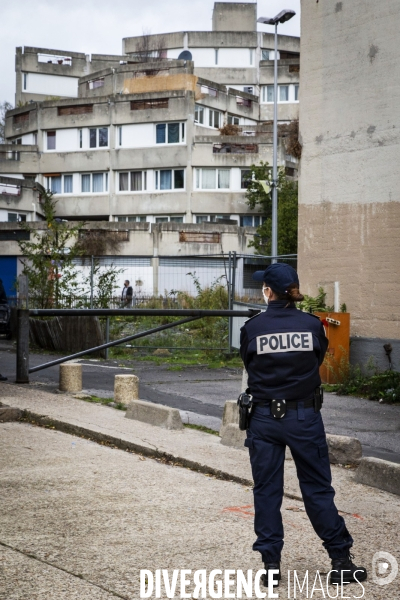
{"x":282,"y":349}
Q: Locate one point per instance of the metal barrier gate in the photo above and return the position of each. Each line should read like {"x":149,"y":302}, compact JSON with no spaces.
{"x":23,"y":315}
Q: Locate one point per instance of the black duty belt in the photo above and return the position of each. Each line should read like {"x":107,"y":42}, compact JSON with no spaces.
{"x":290,"y":404}
{"x":315,"y":401}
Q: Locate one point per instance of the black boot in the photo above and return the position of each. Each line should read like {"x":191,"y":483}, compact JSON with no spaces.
{"x":345,"y":571}
{"x":269,"y":567}
{"x":2,"y":378}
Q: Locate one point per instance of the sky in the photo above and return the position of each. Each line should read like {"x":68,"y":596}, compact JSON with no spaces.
{"x":98,"y":26}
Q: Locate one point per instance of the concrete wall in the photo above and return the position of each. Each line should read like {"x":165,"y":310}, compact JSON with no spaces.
{"x":19,"y":197}
{"x":234,"y":16}
{"x":349,"y":216}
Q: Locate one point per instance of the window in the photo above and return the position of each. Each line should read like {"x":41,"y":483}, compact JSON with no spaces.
{"x":169,"y":219}
{"x":243,"y":101}
{"x":214,"y":118}
{"x":212,"y":179}
{"x":296,"y":93}
{"x":199,"y":114}
{"x":135,"y":181}
{"x":120,"y":136}
{"x":208,"y":218}
{"x":251,"y":52}
{"x":80,"y":138}
{"x":216,"y":56}
{"x":98,"y":137}
{"x":283,"y":93}
{"x":245,"y":179}
{"x":96,"y":183}
{"x":15,"y":217}
{"x":144,"y":104}
{"x":251,"y":221}
{"x":96,"y":83}
{"x":249,"y":89}
{"x":54,"y":183}
{"x":132,"y":219}
{"x":25,"y":81}
{"x":265,"y":55}
{"x":169,"y":179}
{"x":170,"y":133}
{"x":51,"y":140}
{"x":232,"y":120}
{"x":67,"y":184}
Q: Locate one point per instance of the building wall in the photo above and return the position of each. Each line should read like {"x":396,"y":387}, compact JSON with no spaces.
{"x":349,"y":214}
{"x":234,"y":16}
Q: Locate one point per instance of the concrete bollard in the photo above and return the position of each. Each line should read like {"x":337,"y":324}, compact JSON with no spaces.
{"x":154,"y":414}
{"x":70,"y":377}
{"x":230,"y":415}
{"x":126,"y":389}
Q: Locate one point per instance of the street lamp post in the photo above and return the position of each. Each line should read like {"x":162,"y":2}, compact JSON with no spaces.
{"x":282,"y":17}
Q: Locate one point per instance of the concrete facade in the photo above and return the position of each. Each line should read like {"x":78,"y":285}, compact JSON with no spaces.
{"x":103,"y":155}
{"x":349,"y":213}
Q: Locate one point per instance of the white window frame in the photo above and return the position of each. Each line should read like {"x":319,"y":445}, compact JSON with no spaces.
{"x":200,"y":110}
{"x":291,"y":93}
{"x":157,"y":180}
{"x":131,"y":218}
{"x":182,"y":133}
{"x":198,"y":179}
{"x":105,"y":183}
{"x":232,"y":119}
{"x":97,"y":146}
{"x":221,"y":116}
{"x":47,"y":140}
{"x":169,"y":218}
{"x":145,"y":178}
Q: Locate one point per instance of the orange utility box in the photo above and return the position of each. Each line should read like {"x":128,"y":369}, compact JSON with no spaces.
{"x":337,"y":330}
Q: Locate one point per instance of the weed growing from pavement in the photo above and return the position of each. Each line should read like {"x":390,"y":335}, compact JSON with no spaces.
{"x":368,"y":382}
{"x":201,"y":428}
{"x":105,"y":402}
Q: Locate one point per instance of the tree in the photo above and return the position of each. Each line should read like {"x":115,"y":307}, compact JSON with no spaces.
{"x":49,"y":257}
{"x":4,"y":107}
{"x":287,"y":210}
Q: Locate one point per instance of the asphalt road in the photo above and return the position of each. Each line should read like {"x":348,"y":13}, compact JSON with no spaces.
{"x":200,"y":394}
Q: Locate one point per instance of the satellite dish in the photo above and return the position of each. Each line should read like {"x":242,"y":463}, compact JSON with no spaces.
{"x":185,"y":55}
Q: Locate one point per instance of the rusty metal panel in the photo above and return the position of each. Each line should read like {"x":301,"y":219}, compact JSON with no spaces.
{"x":200,"y":237}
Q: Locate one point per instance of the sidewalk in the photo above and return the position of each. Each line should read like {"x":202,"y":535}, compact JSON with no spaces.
{"x":219,"y":536}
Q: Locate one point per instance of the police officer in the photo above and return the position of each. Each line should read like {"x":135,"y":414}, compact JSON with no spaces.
{"x":282,"y":349}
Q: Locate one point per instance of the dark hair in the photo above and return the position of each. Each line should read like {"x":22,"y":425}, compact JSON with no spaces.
{"x":292,"y":294}
{"x":127,"y":281}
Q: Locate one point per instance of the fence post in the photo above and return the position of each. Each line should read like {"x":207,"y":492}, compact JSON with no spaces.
{"x":230,"y":301}
{"x":107,"y":334}
{"x":22,"y":346}
{"x":91,"y":281}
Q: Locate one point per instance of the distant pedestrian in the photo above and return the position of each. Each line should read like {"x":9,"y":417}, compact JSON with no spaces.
{"x":126,"y":295}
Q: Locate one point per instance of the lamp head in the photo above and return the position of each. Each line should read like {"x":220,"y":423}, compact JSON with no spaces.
{"x":282,"y":17}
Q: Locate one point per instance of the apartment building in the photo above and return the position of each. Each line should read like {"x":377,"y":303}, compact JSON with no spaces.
{"x":137,"y":137}
{"x":140,"y":137}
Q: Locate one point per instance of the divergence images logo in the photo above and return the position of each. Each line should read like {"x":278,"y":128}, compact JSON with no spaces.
{"x":381,"y":563}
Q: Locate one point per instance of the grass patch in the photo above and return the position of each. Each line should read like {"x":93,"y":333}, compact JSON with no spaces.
{"x":201,"y":428}
{"x":105,"y":402}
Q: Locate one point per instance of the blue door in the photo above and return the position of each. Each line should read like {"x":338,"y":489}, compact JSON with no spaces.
{"x":8,"y":274}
